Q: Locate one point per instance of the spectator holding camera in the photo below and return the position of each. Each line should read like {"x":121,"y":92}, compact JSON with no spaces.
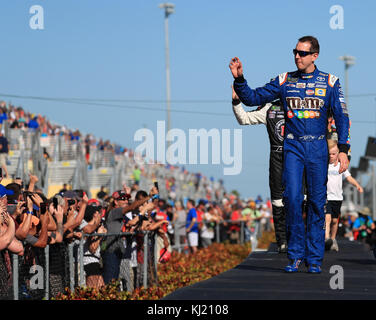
{"x":38,"y":232}
{"x":148,"y":222}
{"x":115,"y":220}
{"x":91,"y":258}
{"x":75,"y":211}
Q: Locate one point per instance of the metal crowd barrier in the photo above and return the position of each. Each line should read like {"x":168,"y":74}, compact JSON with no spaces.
{"x":221,"y":234}
{"x":43,"y":273}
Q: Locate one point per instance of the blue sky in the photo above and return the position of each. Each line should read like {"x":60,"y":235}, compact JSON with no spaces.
{"x":115,"y":50}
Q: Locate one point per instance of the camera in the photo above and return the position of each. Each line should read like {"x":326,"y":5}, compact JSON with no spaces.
{"x":27,"y":194}
{"x":43,"y":208}
{"x":71,"y":202}
{"x":55,"y":202}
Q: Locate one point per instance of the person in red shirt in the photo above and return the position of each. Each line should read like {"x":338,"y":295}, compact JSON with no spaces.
{"x":235,"y":225}
{"x":200,"y":209}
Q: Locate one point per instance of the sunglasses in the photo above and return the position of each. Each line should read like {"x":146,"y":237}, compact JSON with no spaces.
{"x":302,"y":53}
{"x":125,"y":197}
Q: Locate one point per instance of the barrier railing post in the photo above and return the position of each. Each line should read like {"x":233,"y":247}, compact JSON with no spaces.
{"x":145,"y":260}
{"x":155,"y":257}
{"x":80,"y":261}
{"x":15,"y":276}
{"x":177,"y":238}
{"x":71,"y":266}
{"x":47,"y":272}
{"x":218,"y":238}
{"x":241,"y":232}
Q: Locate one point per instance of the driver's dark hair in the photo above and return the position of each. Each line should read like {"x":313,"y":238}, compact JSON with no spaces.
{"x":315,"y":47}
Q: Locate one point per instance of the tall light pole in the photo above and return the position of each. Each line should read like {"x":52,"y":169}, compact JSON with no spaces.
{"x":349,"y":61}
{"x":169,"y":9}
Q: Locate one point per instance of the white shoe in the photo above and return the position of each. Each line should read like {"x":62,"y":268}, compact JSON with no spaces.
{"x":334,"y":246}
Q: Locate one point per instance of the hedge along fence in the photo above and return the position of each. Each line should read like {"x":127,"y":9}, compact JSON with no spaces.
{"x":180,"y":271}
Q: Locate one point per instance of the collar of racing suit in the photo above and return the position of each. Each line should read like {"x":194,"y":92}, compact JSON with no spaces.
{"x":308,"y":75}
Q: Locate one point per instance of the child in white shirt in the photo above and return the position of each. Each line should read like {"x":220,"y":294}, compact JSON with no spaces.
{"x":334,"y":195}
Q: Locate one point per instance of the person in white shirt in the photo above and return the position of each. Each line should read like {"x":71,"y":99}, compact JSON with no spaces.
{"x":335,"y":196}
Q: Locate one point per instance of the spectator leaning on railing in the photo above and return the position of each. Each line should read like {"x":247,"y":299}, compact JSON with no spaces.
{"x":209,"y":221}
{"x":179,"y":219}
{"x":156,"y":232}
{"x":114,"y":222}
{"x":91,"y":256}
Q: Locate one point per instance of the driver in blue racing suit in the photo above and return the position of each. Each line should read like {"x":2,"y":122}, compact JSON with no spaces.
{"x":307,"y":95}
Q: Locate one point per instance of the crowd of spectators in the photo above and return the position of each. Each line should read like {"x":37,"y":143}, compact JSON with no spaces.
{"x":30,"y":220}
{"x":358,"y":225}
{"x":113,"y":228}
{"x":94,"y":150}
{"x":19,"y":118}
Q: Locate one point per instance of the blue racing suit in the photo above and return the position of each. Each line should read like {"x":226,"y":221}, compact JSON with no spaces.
{"x":306,"y":101}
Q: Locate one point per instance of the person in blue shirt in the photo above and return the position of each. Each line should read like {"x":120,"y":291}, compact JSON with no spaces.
{"x":33,"y":124}
{"x":364,"y":227}
{"x":192,"y":226}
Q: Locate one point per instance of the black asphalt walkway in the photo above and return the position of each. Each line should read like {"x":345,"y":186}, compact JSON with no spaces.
{"x":261,"y":276}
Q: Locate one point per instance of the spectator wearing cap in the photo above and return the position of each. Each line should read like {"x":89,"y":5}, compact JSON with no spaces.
{"x":115,"y":220}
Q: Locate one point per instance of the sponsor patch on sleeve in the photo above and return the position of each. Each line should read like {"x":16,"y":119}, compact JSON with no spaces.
{"x":282,"y":78}
{"x":332,"y":80}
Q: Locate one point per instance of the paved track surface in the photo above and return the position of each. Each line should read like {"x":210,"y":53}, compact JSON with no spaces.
{"x":261,"y":276}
